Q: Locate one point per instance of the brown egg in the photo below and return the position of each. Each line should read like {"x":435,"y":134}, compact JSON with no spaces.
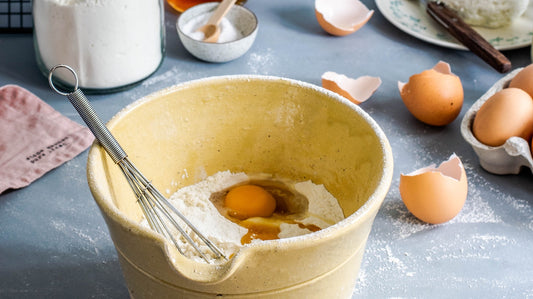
{"x":356,"y":90}
{"x":524,"y":80}
{"x":507,"y":113}
{"x":435,"y":195}
{"x":435,"y":96}
{"x":341,"y":17}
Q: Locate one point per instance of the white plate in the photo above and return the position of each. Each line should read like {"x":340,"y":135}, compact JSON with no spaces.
{"x":411,"y":17}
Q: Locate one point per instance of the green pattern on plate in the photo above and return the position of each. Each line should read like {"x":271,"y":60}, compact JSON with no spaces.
{"x":410,"y":16}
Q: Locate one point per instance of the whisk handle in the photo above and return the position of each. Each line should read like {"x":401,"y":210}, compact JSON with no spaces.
{"x":100,"y":131}
{"x":89,"y":116}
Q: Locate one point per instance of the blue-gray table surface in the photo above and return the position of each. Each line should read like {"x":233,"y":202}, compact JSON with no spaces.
{"x":54,"y":242}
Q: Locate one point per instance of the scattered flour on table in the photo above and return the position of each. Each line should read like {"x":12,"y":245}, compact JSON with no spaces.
{"x":388,"y":253}
{"x":261,"y":62}
{"x":170,"y":74}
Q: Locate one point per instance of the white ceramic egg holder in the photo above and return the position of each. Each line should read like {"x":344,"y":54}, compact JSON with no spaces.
{"x":508,"y":158}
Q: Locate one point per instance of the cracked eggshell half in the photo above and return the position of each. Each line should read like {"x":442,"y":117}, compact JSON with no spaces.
{"x":341,"y":17}
{"x":356,"y":90}
{"x":435,"y":195}
{"x":434,"y":96}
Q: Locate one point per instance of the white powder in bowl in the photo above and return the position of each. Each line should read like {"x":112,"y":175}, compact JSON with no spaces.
{"x":194,"y":203}
{"x":109,"y":43}
{"x":228,"y":32}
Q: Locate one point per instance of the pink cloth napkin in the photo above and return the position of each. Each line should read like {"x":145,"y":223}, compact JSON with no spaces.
{"x":34,"y":138}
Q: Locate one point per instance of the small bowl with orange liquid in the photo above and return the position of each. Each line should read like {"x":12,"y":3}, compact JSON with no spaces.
{"x":183,"y":5}
{"x":250,"y":124}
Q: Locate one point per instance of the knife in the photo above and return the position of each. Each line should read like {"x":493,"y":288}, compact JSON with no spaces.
{"x":468,"y":36}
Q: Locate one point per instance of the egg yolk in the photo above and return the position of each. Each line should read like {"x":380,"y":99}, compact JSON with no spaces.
{"x":248,"y":201}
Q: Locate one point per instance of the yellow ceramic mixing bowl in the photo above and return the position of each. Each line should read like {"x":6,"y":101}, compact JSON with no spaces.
{"x":254,"y":124}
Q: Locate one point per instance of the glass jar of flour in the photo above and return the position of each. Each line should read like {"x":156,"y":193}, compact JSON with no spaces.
{"x":111,"y":44}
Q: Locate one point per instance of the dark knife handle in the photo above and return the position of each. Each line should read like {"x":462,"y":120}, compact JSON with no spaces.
{"x":468,"y":36}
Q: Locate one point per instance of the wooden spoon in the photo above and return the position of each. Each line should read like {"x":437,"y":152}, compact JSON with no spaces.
{"x":211,"y":29}
{"x":468,"y":36}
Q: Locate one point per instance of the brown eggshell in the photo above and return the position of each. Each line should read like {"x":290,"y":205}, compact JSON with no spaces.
{"x":356,"y":90}
{"x":341,"y":17}
{"x":435,"y":96}
{"x":507,"y":113}
{"x":524,"y":80}
{"x":435,"y":195}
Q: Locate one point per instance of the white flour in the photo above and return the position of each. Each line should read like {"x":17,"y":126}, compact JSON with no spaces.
{"x":194,"y":203}
{"x":488,"y":13}
{"x":109,"y":43}
{"x":228,"y":32}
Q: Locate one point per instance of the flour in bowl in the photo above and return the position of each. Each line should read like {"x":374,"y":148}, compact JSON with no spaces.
{"x":303,"y":207}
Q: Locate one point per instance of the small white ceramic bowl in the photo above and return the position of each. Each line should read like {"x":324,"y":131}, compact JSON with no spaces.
{"x":242,"y":19}
{"x":508,"y":158}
